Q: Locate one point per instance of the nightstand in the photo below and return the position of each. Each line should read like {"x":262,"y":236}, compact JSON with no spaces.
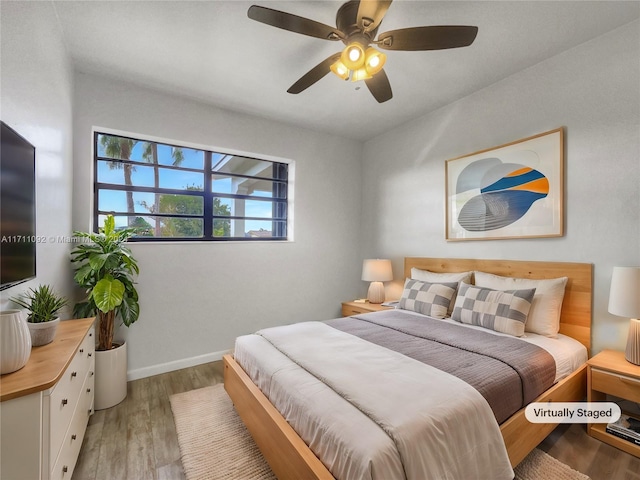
{"x":609,"y":373}
{"x":355,"y":308}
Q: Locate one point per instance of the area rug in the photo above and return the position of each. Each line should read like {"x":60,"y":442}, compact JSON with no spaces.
{"x":215,"y":445}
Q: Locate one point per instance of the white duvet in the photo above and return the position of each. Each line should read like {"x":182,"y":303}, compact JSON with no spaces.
{"x":372,"y":413}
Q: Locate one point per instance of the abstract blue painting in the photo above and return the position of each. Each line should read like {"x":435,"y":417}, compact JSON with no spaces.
{"x":511,"y":191}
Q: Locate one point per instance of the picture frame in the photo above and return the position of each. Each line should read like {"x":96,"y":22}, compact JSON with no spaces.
{"x":510,"y":191}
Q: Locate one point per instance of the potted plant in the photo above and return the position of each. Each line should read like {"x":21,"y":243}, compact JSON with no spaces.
{"x":43,"y":305}
{"x":105,"y":269}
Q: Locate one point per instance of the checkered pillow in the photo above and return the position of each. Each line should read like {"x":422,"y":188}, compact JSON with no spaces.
{"x":432,"y":299}
{"x":500,"y":310}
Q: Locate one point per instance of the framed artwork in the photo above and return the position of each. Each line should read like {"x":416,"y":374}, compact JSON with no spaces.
{"x":511,"y":191}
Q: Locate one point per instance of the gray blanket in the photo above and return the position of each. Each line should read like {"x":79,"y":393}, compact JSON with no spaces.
{"x":509,"y":373}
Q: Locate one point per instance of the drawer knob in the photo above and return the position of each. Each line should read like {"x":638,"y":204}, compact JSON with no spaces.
{"x":88,"y":390}
{"x":89,"y":354}
{"x":82,"y":350}
{"x":73,"y":437}
{"x":64,"y":402}
{"x":91,"y":374}
{"x":74,"y":374}
{"x":65,"y":469}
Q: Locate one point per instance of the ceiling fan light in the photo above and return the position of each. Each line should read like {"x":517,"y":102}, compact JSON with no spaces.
{"x":340,"y":70}
{"x":353,"y":56}
{"x":374,"y":60}
{"x":360,"y":74}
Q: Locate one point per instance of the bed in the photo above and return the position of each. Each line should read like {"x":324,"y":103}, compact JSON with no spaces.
{"x":290,"y":457}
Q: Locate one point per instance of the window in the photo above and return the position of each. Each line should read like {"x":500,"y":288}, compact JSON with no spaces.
{"x":169,"y":192}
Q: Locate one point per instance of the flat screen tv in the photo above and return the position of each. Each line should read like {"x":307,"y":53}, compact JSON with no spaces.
{"x":17,"y":208}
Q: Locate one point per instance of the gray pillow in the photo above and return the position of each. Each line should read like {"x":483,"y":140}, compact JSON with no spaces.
{"x":432,"y":299}
{"x":504,"y":311}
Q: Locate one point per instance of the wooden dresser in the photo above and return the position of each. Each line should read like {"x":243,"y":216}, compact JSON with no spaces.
{"x":45,"y":406}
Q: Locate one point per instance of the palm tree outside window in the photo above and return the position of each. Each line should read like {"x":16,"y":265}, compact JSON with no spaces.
{"x":173,"y":192}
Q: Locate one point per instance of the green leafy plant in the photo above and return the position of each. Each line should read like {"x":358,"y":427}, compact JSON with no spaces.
{"x":106,"y":269}
{"x":42,"y":303}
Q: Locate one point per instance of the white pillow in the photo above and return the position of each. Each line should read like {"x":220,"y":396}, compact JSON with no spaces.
{"x":433,"y":277}
{"x":544,"y":316}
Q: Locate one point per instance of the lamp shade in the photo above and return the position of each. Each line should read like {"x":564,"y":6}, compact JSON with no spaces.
{"x":624,"y":300}
{"x":374,"y":60}
{"x":353,"y":56}
{"x":360,"y":74}
{"x":340,"y":70}
{"x":624,"y":297}
{"x":377,"y":270}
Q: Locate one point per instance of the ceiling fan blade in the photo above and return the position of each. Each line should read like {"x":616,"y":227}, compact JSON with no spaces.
{"x":428,"y":38}
{"x":293,"y":23}
{"x":313,"y":75}
{"x":380,"y":87}
{"x":371,"y":13}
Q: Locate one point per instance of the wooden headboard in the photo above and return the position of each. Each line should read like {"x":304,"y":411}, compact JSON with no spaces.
{"x":575,"y":318}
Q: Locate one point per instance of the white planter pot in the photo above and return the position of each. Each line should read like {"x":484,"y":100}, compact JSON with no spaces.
{"x":15,"y":341}
{"x":43,"y":332}
{"x":111,"y":377}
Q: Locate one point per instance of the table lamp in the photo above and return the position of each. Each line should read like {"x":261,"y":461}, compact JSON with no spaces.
{"x":624,"y":300}
{"x":376,"y":271}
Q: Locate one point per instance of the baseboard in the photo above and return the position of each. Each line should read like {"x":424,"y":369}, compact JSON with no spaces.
{"x":175,"y":365}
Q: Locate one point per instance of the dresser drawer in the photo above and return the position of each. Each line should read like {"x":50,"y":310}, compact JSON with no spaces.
{"x":348,"y":311}
{"x":62,"y":403}
{"x":70,"y":449}
{"x":65,"y":395}
{"x":87,"y":348}
{"x":359,"y":308}
{"x":615,"y":384}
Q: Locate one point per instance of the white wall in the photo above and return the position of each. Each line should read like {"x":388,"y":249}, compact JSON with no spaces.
{"x":593,"y":92}
{"x":36,"y":101}
{"x":197,"y":297}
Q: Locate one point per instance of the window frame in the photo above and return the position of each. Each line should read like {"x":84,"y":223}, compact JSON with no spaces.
{"x":207,"y":194}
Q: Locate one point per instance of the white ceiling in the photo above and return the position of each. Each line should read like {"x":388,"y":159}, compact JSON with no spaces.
{"x":212,"y":52}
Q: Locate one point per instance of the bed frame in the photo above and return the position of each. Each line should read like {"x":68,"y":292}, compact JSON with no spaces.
{"x":290,"y":458}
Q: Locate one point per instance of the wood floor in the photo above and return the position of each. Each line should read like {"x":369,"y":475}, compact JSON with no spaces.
{"x":136,"y":440}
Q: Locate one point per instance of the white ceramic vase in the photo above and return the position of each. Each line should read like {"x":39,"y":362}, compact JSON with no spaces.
{"x":15,"y":341}
{"x":43,"y":332}
{"x":111,"y":377}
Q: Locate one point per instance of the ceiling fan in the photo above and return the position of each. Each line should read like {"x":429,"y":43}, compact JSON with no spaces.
{"x":357,"y":24}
